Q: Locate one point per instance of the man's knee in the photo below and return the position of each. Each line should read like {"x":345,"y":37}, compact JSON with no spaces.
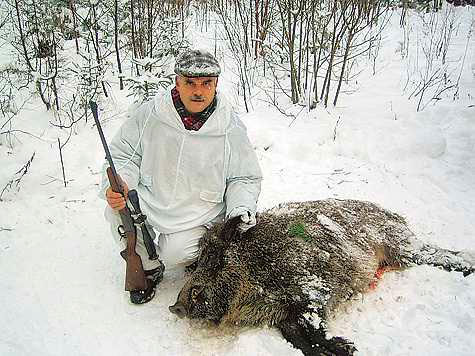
{"x":180,"y":248}
{"x":174,"y":256}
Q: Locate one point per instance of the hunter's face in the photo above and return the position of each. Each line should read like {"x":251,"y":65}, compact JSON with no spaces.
{"x":196,"y":93}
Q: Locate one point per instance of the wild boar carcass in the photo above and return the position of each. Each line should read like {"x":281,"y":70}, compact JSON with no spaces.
{"x":299,"y":264}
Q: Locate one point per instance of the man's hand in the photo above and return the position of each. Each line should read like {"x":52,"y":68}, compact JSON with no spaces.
{"x":248,"y":221}
{"x":115,"y":200}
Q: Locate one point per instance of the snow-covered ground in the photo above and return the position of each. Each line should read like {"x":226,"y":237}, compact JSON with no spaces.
{"x":62,"y":280}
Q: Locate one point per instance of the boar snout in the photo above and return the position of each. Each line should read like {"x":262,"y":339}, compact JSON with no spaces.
{"x":178,"y":308}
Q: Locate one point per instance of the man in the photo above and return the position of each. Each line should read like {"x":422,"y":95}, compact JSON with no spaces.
{"x":190,"y":160}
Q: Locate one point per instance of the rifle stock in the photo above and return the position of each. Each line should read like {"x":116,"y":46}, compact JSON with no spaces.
{"x":134,"y":273}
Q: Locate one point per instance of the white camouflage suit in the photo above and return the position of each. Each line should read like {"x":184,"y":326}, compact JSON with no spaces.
{"x":185,"y":180}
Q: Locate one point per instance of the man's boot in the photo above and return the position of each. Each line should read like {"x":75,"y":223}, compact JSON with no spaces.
{"x":153,"y":276}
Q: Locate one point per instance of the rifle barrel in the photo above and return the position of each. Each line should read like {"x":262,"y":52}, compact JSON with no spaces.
{"x":93,"y":106}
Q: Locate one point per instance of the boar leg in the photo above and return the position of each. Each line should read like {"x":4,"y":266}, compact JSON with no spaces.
{"x":311,"y":341}
{"x":191,"y":268}
{"x":424,"y":254}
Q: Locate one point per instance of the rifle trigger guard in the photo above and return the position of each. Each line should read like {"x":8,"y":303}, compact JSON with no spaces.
{"x":121,"y":231}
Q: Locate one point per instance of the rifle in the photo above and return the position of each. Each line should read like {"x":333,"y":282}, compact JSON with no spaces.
{"x":134,"y":275}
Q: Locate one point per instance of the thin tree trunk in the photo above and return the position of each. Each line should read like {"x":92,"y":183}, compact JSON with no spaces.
{"x":116,"y":42}
{"x":75,"y":33}
{"x":343,"y":67}
{"x":97,"y":48}
{"x":55,"y":89}
{"x":256,"y":43}
{"x":134,"y":39}
{"x":62,"y":163}
{"x":150,"y":27}
{"x":22,"y":37}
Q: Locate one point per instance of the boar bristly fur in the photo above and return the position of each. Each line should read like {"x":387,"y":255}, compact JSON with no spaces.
{"x":300,"y":263}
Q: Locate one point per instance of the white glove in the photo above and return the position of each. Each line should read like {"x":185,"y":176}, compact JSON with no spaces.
{"x":248,"y":221}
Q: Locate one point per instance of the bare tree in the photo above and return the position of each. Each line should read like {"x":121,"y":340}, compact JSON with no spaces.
{"x":116,"y":42}
{"x":430,"y":74}
{"x":38,"y":45}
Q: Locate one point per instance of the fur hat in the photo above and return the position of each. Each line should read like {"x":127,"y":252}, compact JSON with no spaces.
{"x":197,"y":63}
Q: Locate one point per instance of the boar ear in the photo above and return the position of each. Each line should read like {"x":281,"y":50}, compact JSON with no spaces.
{"x":230,"y":232}
{"x":196,"y":293}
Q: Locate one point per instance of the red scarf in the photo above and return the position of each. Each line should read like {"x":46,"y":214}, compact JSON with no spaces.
{"x":192,"y":121}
